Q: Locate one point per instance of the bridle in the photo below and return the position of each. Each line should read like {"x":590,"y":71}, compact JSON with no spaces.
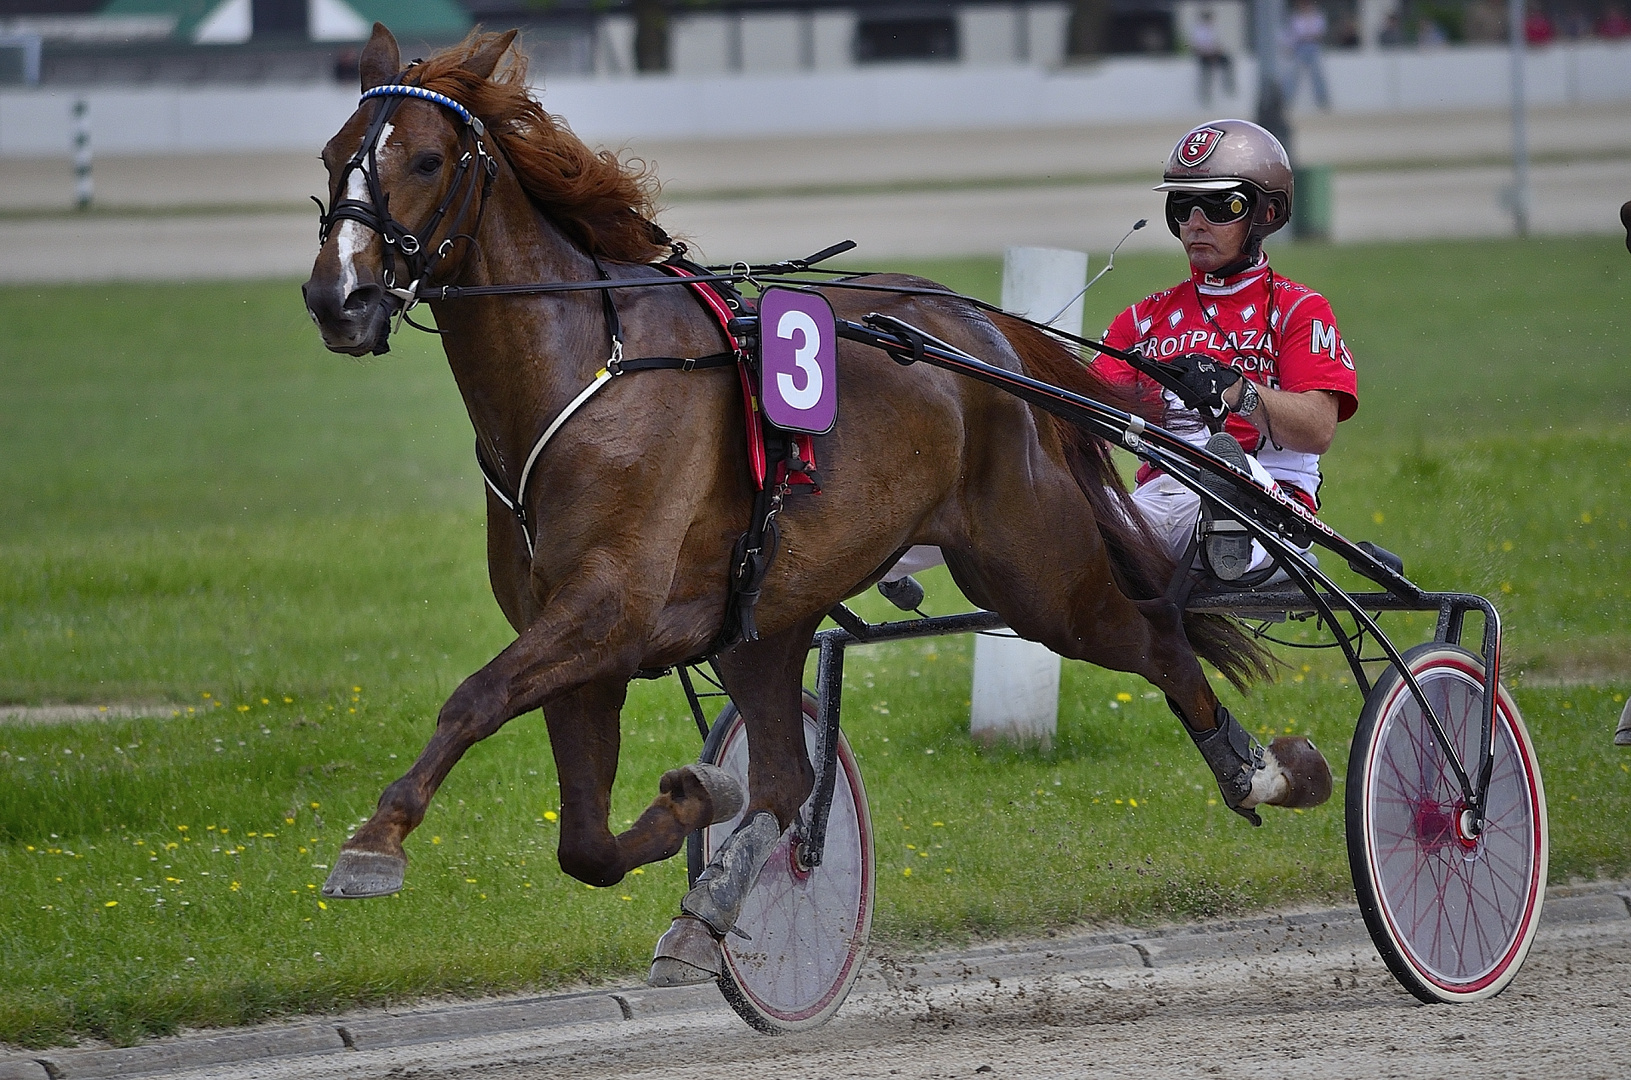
{"x":399,"y":241}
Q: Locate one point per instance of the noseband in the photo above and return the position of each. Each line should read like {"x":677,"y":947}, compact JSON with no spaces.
{"x":399,"y":241}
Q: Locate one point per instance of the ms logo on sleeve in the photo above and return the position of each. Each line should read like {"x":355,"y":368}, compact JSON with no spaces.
{"x":1325,"y":339}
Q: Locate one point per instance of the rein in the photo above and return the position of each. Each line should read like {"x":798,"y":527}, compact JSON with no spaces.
{"x":376,"y":215}
{"x":411,"y":247}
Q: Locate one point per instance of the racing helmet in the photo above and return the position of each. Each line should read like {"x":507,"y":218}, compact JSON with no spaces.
{"x":1230,"y":155}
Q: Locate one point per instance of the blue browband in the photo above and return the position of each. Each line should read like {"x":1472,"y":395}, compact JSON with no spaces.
{"x":402,"y":90}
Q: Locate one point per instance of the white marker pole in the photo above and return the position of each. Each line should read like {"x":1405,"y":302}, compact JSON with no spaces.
{"x":1016,"y":682}
{"x":1517,"y":44}
{"x":82,"y":155}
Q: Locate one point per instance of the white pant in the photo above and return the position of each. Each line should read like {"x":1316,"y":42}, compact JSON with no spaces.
{"x":1170,"y":508}
{"x":917,"y":558}
{"x":1172,"y":511}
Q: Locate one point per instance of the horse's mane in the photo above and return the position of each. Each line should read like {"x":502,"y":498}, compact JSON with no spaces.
{"x":1137,"y":558}
{"x":605,"y":205}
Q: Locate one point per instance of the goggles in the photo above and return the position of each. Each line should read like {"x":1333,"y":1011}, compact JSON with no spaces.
{"x":1218,"y":207}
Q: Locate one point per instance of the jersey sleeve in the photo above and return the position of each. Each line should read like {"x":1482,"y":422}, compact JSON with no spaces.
{"x":1122,"y":334}
{"x":1313,"y":355}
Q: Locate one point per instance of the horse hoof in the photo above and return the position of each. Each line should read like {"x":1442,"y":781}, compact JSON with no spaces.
{"x":687,"y":954}
{"x":725,"y":793}
{"x":666,"y":971}
{"x":358,"y":875}
{"x":1308,"y":777}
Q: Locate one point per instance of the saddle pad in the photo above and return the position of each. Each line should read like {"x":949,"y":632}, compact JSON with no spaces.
{"x":753,"y":417}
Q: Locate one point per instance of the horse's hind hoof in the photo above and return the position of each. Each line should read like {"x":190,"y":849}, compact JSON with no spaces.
{"x":358,"y":875}
{"x":1308,"y":777}
{"x":687,"y":954}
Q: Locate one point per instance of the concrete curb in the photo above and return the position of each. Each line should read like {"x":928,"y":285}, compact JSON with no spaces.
{"x":1243,"y":939}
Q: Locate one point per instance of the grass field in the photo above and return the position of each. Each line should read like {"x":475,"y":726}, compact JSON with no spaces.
{"x":201,"y":508}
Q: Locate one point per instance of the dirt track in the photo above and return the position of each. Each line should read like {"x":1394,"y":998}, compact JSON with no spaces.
{"x":1327,"y":1013}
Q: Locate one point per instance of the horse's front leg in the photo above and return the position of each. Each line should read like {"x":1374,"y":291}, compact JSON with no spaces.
{"x":584,"y":736}
{"x":764,"y":679}
{"x":578,"y":670}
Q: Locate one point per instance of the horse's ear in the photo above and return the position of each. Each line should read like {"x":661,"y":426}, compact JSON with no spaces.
{"x":380,"y":60}
{"x":485,"y":59}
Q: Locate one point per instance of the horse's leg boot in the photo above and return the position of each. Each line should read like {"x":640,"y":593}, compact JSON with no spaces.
{"x":1236,"y":760}
{"x":358,"y":875}
{"x":717,"y":897}
{"x":724,"y":791}
{"x":688,"y":953}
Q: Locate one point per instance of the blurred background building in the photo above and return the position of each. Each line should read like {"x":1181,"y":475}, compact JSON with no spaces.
{"x":917,"y":126}
{"x":192,"y":41}
{"x":783,"y":67}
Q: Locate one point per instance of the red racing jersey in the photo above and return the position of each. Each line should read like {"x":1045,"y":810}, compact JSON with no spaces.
{"x":1273,"y":330}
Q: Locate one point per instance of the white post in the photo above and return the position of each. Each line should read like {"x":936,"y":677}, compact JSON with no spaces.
{"x":1518,"y":46}
{"x":82,"y":155}
{"x":1016,"y":682}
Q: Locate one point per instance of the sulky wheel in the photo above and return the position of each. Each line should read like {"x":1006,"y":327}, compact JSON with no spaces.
{"x":1452,"y":914}
{"x":807,"y":929}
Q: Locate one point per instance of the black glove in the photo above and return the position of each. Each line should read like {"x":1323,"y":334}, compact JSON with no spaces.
{"x":1204,"y":380}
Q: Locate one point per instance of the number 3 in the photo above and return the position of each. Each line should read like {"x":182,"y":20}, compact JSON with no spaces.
{"x":805,"y":398}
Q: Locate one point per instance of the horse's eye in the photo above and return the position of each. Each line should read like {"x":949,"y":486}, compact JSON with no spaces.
{"x":429,"y":165}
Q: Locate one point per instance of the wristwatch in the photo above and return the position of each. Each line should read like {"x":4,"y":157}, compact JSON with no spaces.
{"x":1249,"y":399}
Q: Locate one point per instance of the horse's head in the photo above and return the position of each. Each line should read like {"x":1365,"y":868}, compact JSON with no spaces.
{"x":407,"y":173}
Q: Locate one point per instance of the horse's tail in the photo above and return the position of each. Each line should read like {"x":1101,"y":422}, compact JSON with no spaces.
{"x":1139,"y":561}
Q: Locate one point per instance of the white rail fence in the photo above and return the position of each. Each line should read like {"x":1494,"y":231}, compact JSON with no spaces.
{"x":170,"y":120}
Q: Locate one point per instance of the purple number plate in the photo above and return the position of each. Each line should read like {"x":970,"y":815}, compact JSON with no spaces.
{"x":799,"y":361}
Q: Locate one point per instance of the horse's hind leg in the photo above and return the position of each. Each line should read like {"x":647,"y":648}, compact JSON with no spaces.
{"x":764,"y":680}
{"x":1069,"y":602}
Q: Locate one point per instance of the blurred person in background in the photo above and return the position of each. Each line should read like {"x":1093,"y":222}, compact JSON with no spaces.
{"x":1215,"y":63}
{"x":1485,"y":22}
{"x":1573,"y":24}
{"x":1538,"y":28}
{"x":1613,"y":25}
{"x":1305,"y":32}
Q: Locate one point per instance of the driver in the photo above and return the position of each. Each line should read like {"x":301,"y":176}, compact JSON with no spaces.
{"x":1255,"y":347}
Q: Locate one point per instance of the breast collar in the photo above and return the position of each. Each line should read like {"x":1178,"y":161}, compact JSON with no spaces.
{"x":722,"y":304}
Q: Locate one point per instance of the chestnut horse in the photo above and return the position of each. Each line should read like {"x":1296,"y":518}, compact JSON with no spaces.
{"x":641,"y":497}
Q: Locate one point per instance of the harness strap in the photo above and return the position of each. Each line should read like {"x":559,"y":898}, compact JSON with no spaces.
{"x":614,"y":325}
{"x":517,"y":504}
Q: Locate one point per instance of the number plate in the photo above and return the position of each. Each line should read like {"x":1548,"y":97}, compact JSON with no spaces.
{"x":798,"y":370}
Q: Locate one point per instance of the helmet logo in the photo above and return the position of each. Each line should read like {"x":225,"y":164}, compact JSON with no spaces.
{"x":1198,"y":146}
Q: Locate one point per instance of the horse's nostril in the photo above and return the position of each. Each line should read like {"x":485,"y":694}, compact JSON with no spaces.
{"x":362,"y":298}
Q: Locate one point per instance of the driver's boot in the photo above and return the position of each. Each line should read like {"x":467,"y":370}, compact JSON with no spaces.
{"x":1226,"y":546}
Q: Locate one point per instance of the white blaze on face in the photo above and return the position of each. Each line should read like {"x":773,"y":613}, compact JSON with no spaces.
{"x":353,"y":237}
